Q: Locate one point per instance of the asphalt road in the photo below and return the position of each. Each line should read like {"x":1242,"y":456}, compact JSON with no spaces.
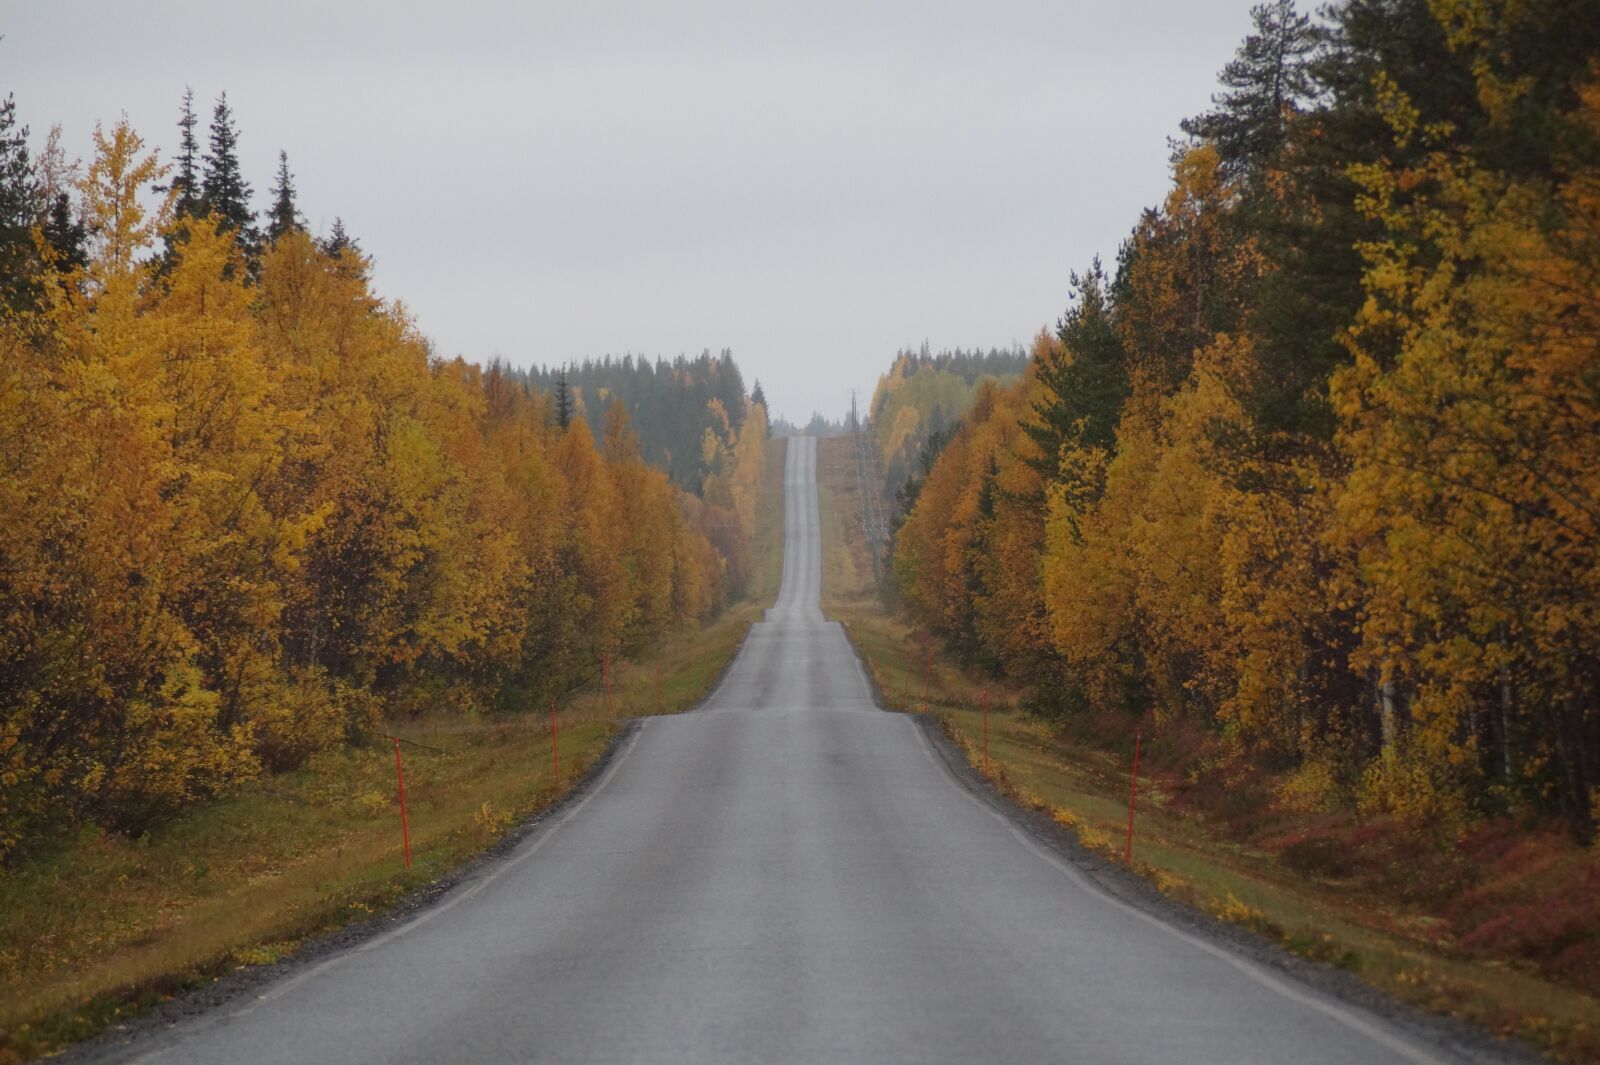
{"x":788,"y":874}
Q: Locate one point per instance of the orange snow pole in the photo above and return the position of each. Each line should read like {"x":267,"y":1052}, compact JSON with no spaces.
{"x":400,"y":776}
{"x":986,"y":731}
{"x":927,"y":680}
{"x":1133,"y":794}
{"x":555,"y":742}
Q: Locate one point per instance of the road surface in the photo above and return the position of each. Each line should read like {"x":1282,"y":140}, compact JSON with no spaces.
{"x":788,"y":874}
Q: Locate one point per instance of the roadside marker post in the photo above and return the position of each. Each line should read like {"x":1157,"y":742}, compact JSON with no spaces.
{"x":555,"y":743}
{"x":927,"y":680}
{"x":1133,"y":794}
{"x":986,"y":732}
{"x":658,"y":689}
{"x":400,"y":776}
{"x":605,"y":671}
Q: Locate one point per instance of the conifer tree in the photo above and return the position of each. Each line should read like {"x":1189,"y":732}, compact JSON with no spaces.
{"x":1267,"y":77}
{"x":338,"y":241}
{"x":16,"y":206}
{"x":758,"y":398}
{"x":185,"y":183}
{"x":227,"y":194}
{"x":283,"y":217}
{"x":66,"y":235}
{"x":563,"y":401}
{"x":340,"y":246}
{"x":1084,"y":388}
{"x":185,"y":187}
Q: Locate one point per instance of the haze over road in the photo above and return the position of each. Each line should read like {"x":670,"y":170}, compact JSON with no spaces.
{"x":788,"y":874}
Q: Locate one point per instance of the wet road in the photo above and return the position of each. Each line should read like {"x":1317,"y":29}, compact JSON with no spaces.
{"x":788,"y":874}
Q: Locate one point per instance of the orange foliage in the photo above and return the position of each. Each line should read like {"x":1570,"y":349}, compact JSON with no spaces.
{"x":239,"y":518}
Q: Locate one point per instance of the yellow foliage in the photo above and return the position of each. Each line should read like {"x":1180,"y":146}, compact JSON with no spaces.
{"x":1405,"y":596}
{"x":244,"y":511}
{"x":1064,"y":817}
{"x":172,"y":753}
{"x":1230,"y":909}
{"x":1310,"y":787}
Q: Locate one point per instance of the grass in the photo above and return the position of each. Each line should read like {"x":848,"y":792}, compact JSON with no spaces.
{"x":1405,"y":950}
{"x":107,"y":924}
{"x":104,"y":926}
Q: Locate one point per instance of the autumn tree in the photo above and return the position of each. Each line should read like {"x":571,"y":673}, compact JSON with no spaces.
{"x":246,"y":513}
{"x":1317,"y":469}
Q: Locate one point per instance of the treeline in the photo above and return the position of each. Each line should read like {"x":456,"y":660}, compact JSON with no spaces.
{"x":673,"y":405}
{"x":819,"y":426}
{"x":244,"y":512}
{"x":921,"y":400}
{"x":1318,"y":466}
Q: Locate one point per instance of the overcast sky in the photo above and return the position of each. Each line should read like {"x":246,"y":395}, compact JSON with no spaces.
{"x":813,"y":185}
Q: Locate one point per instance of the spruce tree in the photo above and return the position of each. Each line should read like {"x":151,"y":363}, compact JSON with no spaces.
{"x":283,"y":217}
{"x":728,"y":384}
{"x":338,"y":242}
{"x":17,"y":207}
{"x":185,"y":184}
{"x":1085,"y":388}
{"x":186,"y":178}
{"x":227,"y":194}
{"x":563,"y":401}
{"x":344,"y":250}
{"x":66,"y":235}
{"x":759,"y":398}
{"x":1267,"y":77}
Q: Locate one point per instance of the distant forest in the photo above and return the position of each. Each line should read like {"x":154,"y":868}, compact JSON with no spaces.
{"x":817,"y":426}
{"x":672,"y":405}
{"x":922,"y":399}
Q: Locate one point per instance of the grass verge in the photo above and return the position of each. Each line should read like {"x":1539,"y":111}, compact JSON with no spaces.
{"x":1403,"y":950}
{"x":105,"y":926}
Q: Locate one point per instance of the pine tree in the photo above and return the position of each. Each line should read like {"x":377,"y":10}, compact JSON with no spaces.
{"x":1267,"y":77}
{"x":283,"y":217}
{"x":227,"y":194}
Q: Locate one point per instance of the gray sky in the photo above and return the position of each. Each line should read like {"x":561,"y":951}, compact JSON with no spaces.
{"x":813,"y":185}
